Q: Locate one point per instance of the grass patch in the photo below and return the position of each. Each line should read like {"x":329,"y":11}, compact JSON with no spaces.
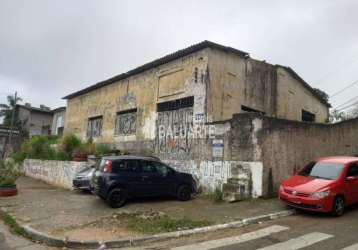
{"x":163,"y":224}
{"x":14,"y":226}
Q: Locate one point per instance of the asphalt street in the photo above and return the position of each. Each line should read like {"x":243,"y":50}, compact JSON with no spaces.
{"x":302,"y":231}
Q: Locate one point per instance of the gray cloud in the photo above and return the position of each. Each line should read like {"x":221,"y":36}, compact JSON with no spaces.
{"x":51,"y":48}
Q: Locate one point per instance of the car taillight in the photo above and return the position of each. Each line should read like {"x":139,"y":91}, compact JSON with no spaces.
{"x":107,"y":167}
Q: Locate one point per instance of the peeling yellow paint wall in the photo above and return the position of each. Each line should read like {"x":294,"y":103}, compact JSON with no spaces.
{"x":293,"y":97}
{"x":221,"y":83}
{"x":177,"y":79}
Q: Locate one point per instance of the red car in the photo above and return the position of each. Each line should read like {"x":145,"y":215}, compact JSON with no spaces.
{"x":326,"y":185}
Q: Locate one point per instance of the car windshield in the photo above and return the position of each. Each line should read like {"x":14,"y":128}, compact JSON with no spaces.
{"x":323,"y":170}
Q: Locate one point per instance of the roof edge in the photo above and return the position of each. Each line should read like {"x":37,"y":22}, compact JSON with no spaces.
{"x":163,"y":60}
{"x":304,"y":83}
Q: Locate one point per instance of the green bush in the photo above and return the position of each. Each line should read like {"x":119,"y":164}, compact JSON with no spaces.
{"x":18,"y":157}
{"x":53,"y":139}
{"x":9,"y":172}
{"x":38,"y":147}
{"x":44,"y":148}
{"x":103,"y":149}
{"x":62,"y":156}
{"x":70,"y":143}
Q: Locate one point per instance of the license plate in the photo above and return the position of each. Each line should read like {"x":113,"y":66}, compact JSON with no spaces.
{"x":296,"y":201}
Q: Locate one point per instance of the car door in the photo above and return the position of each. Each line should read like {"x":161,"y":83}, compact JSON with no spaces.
{"x":127,"y":172}
{"x":351,"y":183}
{"x":155,"y":178}
{"x":164,"y":180}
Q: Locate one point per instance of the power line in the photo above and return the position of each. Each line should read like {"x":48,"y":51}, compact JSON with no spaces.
{"x":349,"y":101}
{"x":344,"y":89}
{"x":340,"y":67}
{"x":347,"y":107}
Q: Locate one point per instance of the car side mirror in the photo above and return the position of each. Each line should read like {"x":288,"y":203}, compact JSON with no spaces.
{"x":351,"y":178}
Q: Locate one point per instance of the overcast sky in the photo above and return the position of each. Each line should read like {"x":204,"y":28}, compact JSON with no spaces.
{"x":49,"y":49}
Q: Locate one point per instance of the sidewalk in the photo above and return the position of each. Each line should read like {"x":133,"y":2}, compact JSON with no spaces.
{"x":82,"y":216}
{"x":9,"y":241}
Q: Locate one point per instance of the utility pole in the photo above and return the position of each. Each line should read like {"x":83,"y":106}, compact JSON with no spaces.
{"x":12,"y":118}
{"x":11,"y":125}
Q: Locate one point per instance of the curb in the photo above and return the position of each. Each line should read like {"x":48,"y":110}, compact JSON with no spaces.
{"x":59,"y":242}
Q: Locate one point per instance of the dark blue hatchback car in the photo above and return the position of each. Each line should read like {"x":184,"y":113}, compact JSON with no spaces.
{"x":121,"y":177}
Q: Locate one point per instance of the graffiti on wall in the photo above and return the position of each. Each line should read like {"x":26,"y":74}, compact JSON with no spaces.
{"x":174,"y":131}
{"x":58,"y":173}
{"x":212,"y":174}
{"x":126,"y":123}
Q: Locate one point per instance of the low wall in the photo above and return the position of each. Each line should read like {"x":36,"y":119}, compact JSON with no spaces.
{"x":212,"y":174}
{"x":287,"y":146}
{"x":57,"y":173}
{"x":284,"y":147}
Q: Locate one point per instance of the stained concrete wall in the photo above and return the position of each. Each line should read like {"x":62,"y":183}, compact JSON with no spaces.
{"x":293,"y":97}
{"x":57,"y":173}
{"x":220,"y":83}
{"x":284,"y":146}
{"x":288,"y":146}
{"x":35,"y":121}
{"x":180,"y":78}
{"x":237,"y":81}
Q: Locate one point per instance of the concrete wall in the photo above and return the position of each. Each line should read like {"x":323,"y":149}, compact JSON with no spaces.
{"x":35,"y":121}
{"x":288,"y":146}
{"x":271,"y":89}
{"x":237,"y":81}
{"x":292,"y":97}
{"x":284,"y":146}
{"x":57,"y":173}
{"x":177,"y":79}
{"x":220,"y":82}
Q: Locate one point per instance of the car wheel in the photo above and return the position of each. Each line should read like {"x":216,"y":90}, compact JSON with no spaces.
{"x":117,"y":197}
{"x":338,"y":206}
{"x":184,"y":193}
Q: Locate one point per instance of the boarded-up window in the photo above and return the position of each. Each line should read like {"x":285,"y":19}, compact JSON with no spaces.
{"x":126,"y":122}
{"x":171,"y":83}
{"x":94,"y":127}
{"x":308,"y":116}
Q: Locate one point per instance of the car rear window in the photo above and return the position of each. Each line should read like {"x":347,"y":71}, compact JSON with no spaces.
{"x":129,"y":166}
{"x":323,"y":170}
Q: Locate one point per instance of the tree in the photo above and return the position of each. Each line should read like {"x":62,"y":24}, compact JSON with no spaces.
{"x":6,"y":112}
{"x":7,"y":109}
{"x":354,"y":112}
{"x":322,"y":94}
{"x":338,"y":116}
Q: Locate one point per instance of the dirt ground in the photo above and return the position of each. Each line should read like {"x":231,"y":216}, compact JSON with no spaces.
{"x":83,"y":216}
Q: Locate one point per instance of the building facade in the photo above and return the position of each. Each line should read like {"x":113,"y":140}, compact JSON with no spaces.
{"x":203,"y":83}
{"x":37,"y":121}
{"x":179,"y":108}
{"x":58,"y":121}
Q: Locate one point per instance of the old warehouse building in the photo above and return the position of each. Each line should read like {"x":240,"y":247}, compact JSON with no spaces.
{"x":203,"y":84}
